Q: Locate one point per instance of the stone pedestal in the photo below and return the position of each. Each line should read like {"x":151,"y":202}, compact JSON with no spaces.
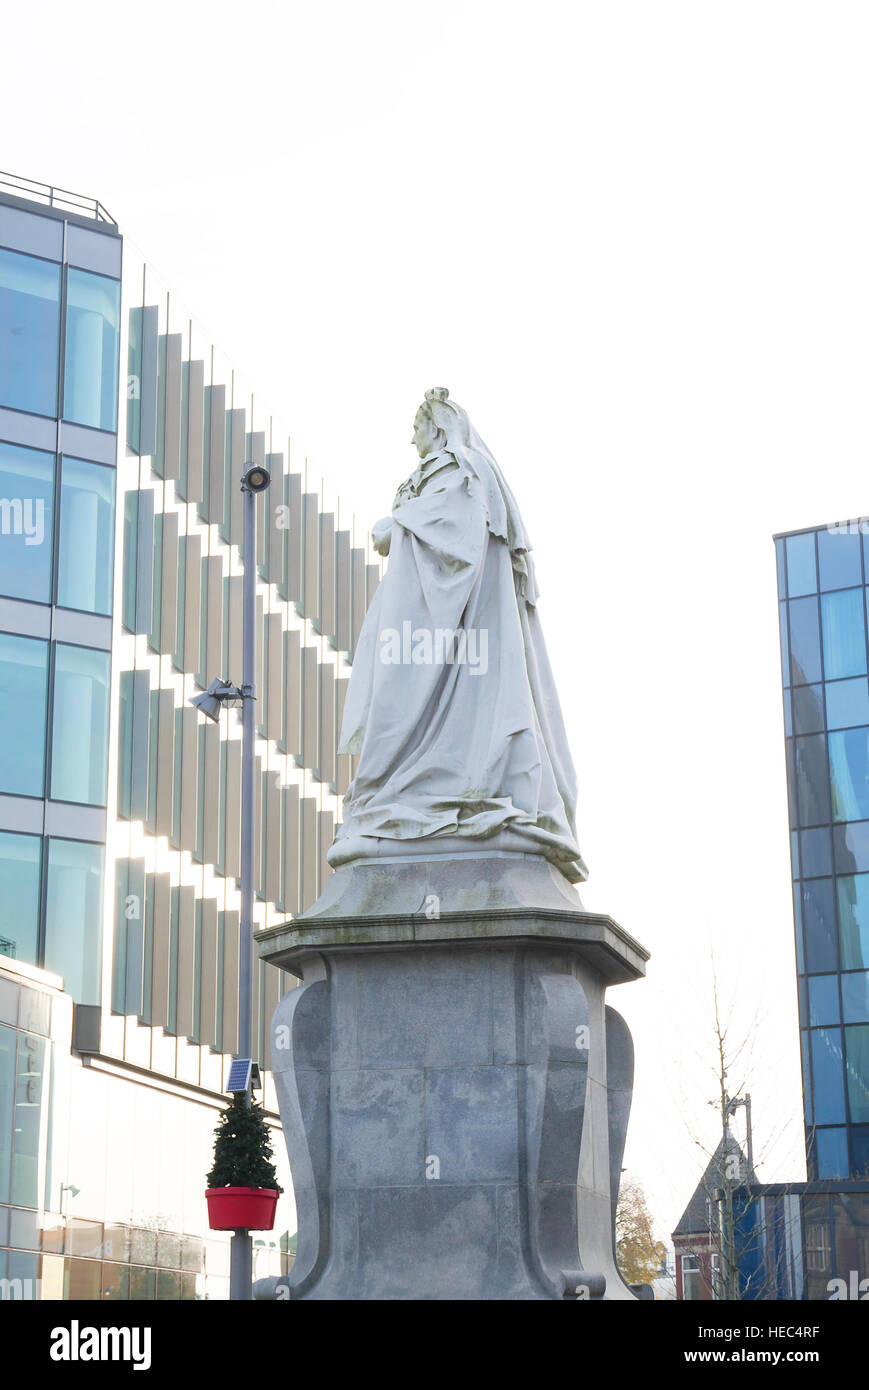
{"x":453,"y":1088}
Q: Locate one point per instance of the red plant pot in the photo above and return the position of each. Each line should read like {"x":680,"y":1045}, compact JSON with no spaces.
{"x":241,"y":1208}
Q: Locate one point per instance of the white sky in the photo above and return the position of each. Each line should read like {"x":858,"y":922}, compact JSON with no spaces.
{"x":632,"y":240}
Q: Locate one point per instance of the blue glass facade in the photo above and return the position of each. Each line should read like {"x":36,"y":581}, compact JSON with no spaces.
{"x":60,"y":286}
{"x":822,"y":589}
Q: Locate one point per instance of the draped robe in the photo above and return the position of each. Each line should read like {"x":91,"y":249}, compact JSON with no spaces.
{"x":471,"y":747}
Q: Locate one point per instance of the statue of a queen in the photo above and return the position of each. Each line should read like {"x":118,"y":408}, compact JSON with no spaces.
{"x":451,"y":705}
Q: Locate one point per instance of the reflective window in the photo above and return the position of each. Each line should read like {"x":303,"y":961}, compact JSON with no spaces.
{"x":839,"y":559}
{"x":816,"y":853}
{"x":20,"y":873}
{"x":857,"y":1071}
{"x":73,"y":918}
{"x":779,"y":567}
{"x":855,"y":997}
{"x":80,"y":731}
{"x":849,"y":774}
{"x":805,"y":642}
{"x":813,"y":780}
{"x":853,"y":899}
{"x":801,"y":564}
{"x":827,"y":1072}
{"x":798,"y":928}
{"x":832,"y":1152}
{"x":847,"y":703}
{"x":823,"y":999}
{"x":87,"y":530}
{"x":26,"y":511}
{"x":23,"y":695}
{"x":29,"y":332}
{"x":31,"y":1080}
{"x":8,"y":1040}
{"x":808,"y":709}
{"x":860,"y":1151}
{"x":807,"y":1079}
{"x":785,"y":650}
{"x":851,"y":847}
{"x":819,"y":918}
{"x":844,"y":634}
{"x":91,"y":356}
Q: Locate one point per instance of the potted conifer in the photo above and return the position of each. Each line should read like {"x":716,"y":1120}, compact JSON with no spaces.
{"x":243,"y":1188}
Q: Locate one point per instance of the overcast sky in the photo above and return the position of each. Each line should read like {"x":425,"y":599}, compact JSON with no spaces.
{"x":631,"y":238}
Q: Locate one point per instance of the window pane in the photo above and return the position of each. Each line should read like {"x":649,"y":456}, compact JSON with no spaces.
{"x":807,"y":1078}
{"x":816,"y":853}
{"x":851,"y":847}
{"x":8,"y":1037}
{"x":91,"y":359}
{"x":832,"y":1150}
{"x":860,"y":1151}
{"x":798,"y":928}
{"x":819,"y":917}
{"x":29,"y":332}
{"x":79,"y":749}
{"x":801,"y":564}
{"x":23,"y":693}
{"x":827,"y":1070}
{"x":26,"y":511}
{"x":857,"y":1072}
{"x":808,"y":709}
{"x":805,"y":642}
{"x":813,"y":780}
{"x":780,"y":567}
{"x":855,"y":997}
{"x":87,"y":528}
{"x":142,"y":1283}
{"x":844,"y":634}
{"x":785,"y":651}
{"x":20,"y":859}
{"x":73,"y":918}
{"x":853,"y":896}
{"x":116,"y":1282}
{"x":28,"y":1107}
{"x":849,"y":774}
{"x":847,"y":703}
{"x":823,"y":999}
{"x":839,"y":559}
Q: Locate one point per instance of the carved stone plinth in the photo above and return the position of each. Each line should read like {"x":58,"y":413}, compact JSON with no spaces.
{"x":453,"y":1088}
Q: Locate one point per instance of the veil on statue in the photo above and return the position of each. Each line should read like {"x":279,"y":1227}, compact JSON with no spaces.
{"x":463,"y":441}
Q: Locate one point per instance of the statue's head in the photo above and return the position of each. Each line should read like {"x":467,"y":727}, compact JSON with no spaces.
{"x":429,"y":434}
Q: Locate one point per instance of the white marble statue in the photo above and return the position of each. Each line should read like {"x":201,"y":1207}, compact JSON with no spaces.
{"x":451,"y":705}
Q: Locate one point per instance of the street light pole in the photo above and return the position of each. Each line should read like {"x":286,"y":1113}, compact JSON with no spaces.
{"x":255,"y":480}
{"x":219,"y":693}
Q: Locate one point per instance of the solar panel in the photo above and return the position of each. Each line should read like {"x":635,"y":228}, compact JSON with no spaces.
{"x":243,"y":1073}
{"x":239,"y":1074}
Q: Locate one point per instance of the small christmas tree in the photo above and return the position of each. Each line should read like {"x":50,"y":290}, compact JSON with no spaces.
{"x":242,"y":1148}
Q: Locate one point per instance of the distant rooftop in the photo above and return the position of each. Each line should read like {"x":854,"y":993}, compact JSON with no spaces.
{"x":59,"y":198}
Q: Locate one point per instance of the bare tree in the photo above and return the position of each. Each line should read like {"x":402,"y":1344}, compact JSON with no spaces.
{"x":741,"y":1227}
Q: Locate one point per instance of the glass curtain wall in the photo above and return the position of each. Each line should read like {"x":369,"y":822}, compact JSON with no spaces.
{"x":822,"y":578}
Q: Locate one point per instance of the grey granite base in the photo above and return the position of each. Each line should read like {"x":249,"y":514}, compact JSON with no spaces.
{"x":453,"y":1088}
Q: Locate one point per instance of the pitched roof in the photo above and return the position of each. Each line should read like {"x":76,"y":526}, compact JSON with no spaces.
{"x":694,"y":1220}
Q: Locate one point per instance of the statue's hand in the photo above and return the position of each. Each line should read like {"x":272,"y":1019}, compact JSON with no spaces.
{"x":381,"y":535}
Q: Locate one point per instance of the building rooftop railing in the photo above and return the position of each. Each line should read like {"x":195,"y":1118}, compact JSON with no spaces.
{"x":54,"y":197}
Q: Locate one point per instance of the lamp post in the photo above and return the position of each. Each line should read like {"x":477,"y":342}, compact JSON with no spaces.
{"x":220,"y":692}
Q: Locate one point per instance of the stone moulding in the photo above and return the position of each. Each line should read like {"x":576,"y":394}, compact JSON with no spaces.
{"x":453,"y":1087}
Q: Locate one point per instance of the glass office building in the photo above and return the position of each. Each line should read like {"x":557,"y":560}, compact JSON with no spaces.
{"x":123,"y":436}
{"x":822,"y":579}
